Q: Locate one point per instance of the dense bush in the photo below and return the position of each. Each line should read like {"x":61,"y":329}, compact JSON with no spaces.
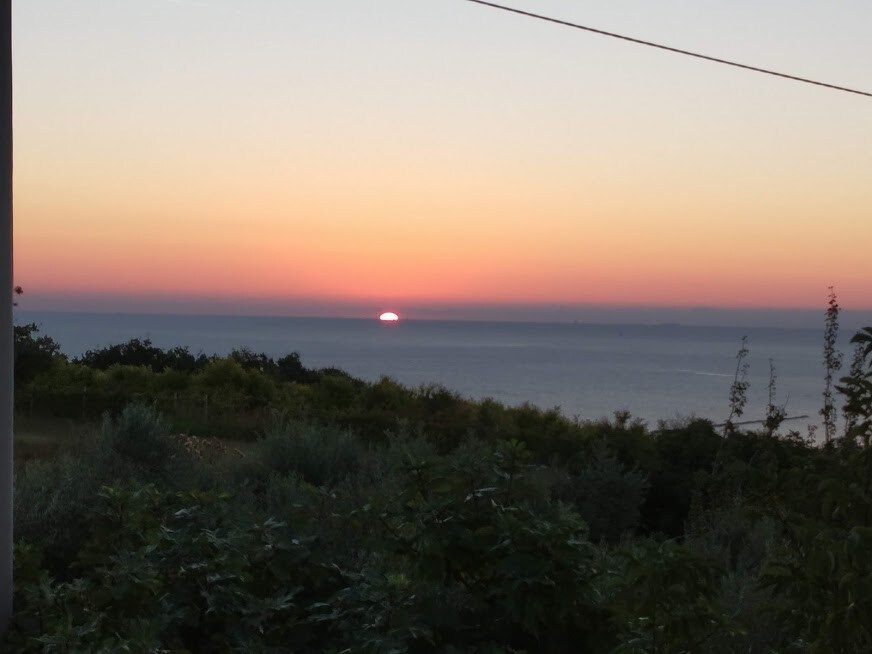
{"x":608,"y":496}
{"x":141,"y":437}
{"x":141,"y":352}
{"x":51,"y":501}
{"x":34,"y":354}
{"x":375,"y":518}
{"x":320,"y":456}
{"x":171,"y":572}
{"x":405,"y":547}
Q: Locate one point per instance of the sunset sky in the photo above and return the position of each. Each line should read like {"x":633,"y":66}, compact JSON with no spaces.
{"x":339,"y":157}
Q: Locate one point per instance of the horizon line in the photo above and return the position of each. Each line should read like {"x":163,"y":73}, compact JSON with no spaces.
{"x":711,"y":312}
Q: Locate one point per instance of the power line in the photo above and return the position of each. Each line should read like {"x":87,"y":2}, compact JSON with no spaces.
{"x":660,"y":46}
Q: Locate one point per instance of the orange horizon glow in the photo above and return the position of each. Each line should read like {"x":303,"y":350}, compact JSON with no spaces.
{"x":159,"y":173}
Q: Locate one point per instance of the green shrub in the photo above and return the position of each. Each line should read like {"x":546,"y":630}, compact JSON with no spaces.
{"x":51,"y":501}
{"x":290,"y":369}
{"x":506,"y":574}
{"x":333,"y":393}
{"x":130,"y":379}
{"x":34,"y":354}
{"x":140,"y":436}
{"x":608,"y":496}
{"x":681,"y":456}
{"x":137,"y":352}
{"x":318,"y":455}
{"x":167,"y":572}
{"x":666,"y":600}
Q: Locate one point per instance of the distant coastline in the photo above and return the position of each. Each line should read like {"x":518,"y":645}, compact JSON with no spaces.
{"x":807,"y":319}
{"x":852,"y":318}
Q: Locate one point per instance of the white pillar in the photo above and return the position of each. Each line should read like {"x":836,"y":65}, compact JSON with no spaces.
{"x":5,"y":314}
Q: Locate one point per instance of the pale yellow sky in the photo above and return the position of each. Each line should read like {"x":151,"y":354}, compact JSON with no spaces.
{"x":440,"y":152}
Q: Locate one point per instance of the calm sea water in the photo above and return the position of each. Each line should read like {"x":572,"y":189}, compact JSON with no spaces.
{"x":587,"y":371}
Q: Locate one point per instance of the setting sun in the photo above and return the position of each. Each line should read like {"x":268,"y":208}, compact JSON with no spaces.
{"x":389,"y":316}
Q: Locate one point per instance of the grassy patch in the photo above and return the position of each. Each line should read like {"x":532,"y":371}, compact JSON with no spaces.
{"x":44,"y":438}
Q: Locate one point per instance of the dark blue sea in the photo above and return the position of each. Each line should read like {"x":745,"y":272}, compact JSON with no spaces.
{"x":588,"y":371}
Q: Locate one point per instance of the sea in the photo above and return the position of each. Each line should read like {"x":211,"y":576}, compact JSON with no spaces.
{"x":587,"y":371}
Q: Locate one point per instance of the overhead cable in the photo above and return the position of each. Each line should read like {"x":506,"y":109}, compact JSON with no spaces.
{"x":660,"y":46}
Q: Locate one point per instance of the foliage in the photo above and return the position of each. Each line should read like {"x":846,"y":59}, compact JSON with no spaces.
{"x":608,"y":496}
{"x":140,"y":436}
{"x":775,"y":414}
{"x":318,"y":455}
{"x":857,"y":389}
{"x":289,"y":369}
{"x":667,"y":595}
{"x":739,"y":388}
{"x":682,"y":456}
{"x":370,"y":517}
{"x":832,"y":364}
{"x":51,"y":501}
{"x":822,"y":570}
{"x":169,"y":572}
{"x":34,"y":354}
{"x":141,"y":352}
